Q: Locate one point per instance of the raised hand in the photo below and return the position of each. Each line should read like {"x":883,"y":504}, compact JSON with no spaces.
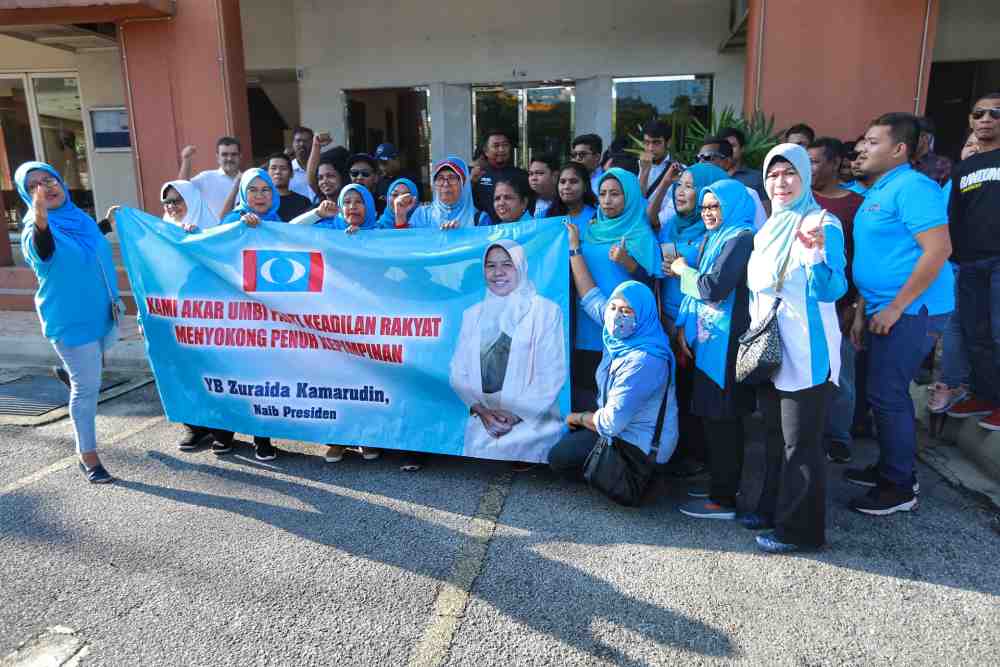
{"x":327,"y":209}
{"x":574,"y":235}
{"x":619,"y":254}
{"x":39,"y":209}
{"x":188,"y":152}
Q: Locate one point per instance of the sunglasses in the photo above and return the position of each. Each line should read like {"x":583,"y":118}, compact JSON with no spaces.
{"x":979,"y":113}
{"x":360,"y":173}
{"x":851,"y":155}
{"x":172,"y":202}
{"x":708,"y":157}
{"x":579,"y":155}
{"x":48,"y":182}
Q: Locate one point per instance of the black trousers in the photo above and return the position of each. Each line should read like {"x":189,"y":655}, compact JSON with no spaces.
{"x":691,"y":443}
{"x":226,"y":437}
{"x":795,"y":471}
{"x":724,"y":438}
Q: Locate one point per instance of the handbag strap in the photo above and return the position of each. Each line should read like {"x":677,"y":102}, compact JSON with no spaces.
{"x":654,"y":447}
{"x":107,"y":285}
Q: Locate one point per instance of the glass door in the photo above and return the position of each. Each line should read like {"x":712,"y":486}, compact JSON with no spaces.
{"x":61,"y":133}
{"x":16,"y":144}
{"x":538,"y":118}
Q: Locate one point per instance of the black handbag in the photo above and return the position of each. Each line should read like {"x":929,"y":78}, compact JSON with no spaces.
{"x":619,"y":469}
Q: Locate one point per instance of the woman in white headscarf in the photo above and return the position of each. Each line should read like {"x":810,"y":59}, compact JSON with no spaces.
{"x":510,"y":363}
{"x":184,"y":207}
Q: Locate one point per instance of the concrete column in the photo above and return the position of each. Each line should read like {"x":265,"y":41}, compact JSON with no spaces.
{"x":186,"y":84}
{"x":838,"y":65}
{"x":451,"y":120}
{"x":593,"y":107}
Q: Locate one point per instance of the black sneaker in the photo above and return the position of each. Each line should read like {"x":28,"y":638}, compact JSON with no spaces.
{"x":196,"y":437}
{"x":97,"y":474}
{"x":838,"y":452}
{"x":869,"y":477}
{"x":222,"y":446}
{"x":863,"y":476}
{"x":885,"y":499}
{"x":265,"y":451}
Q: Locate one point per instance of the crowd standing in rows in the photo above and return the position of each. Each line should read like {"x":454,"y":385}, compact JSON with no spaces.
{"x":839,"y":247}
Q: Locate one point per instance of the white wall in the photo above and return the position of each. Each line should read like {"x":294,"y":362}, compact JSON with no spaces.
{"x":101,"y":84}
{"x":388,"y":43}
{"x":968,"y":30}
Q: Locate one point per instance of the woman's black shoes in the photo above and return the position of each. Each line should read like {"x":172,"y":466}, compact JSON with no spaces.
{"x":97,"y":474}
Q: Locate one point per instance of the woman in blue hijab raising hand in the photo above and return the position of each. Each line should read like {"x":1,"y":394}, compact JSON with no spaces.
{"x":77,"y":298}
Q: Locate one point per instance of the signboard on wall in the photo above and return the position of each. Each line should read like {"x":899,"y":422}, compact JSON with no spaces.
{"x":110,"y":128}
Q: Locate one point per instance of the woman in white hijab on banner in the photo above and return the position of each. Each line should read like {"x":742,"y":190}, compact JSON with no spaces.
{"x":184,"y":207}
{"x":798,"y":268}
{"x":510,"y":363}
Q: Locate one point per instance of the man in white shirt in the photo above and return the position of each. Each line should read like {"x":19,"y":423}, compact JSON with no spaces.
{"x":302,"y":139}
{"x":214,"y":184}
{"x":655,"y":159}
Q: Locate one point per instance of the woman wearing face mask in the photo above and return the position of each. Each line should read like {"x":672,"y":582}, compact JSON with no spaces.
{"x":711,"y":318}
{"x":513,"y":199}
{"x":398,"y":188}
{"x":635,"y":375}
{"x":575,"y":199}
{"x":618,"y":246}
{"x":184,"y":207}
{"x":798,"y":257}
{"x":510,"y":363}
{"x":77,"y":298}
{"x":452,"y":205}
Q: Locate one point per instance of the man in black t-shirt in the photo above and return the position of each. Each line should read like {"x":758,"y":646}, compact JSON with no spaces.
{"x":499,"y":150}
{"x":279,"y":168}
{"x":974,"y":218}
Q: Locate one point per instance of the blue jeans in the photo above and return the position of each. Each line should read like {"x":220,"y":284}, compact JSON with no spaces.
{"x":954,"y":357}
{"x":979,"y":310}
{"x":893,"y":363}
{"x":840,"y":413}
{"x":83,"y":363}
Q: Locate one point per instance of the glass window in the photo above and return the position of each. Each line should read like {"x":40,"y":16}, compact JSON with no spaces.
{"x":640,"y":100}
{"x":16,"y":145}
{"x":539,"y":119}
{"x":64,"y":140}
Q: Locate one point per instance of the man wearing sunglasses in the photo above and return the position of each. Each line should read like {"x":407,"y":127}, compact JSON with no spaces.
{"x":718,"y":151}
{"x":363,"y":170}
{"x":974,"y":216}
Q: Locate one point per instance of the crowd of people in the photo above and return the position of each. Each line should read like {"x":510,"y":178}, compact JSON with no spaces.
{"x":835,"y":250}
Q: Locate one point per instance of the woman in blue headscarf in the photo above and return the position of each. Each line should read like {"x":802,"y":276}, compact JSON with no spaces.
{"x":711,"y":318}
{"x":798,"y":267}
{"x":681,"y":235}
{"x":618,"y":246}
{"x":257,"y":199}
{"x":398,"y":188}
{"x":451,"y":206}
{"x":635,"y":376}
{"x":77,"y":298}
{"x":355,"y":211}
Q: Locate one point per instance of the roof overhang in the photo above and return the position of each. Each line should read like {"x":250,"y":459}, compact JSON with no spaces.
{"x":63,"y":12}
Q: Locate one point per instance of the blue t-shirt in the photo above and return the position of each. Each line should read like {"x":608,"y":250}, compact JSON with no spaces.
{"x":671,"y":285}
{"x":72,"y":298}
{"x":856,"y":187}
{"x":900,"y":205}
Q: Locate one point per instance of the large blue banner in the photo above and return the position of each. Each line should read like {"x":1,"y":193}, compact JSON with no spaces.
{"x":453,"y":342}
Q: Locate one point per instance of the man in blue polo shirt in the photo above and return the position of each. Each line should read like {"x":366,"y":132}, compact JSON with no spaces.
{"x":901,"y":243}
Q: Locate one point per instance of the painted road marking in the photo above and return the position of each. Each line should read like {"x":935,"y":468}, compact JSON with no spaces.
{"x":71,"y":460}
{"x":453,"y":594}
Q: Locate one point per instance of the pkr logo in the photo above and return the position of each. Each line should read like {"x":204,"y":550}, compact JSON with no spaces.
{"x":282,"y":271}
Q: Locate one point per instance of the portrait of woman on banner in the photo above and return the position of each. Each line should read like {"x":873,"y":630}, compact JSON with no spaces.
{"x":509,"y":365}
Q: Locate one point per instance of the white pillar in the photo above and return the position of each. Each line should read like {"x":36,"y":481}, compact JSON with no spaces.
{"x":451,"y":120}
{"x":593,"y":107}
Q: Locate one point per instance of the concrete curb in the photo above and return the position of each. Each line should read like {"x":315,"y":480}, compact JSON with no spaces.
{"x":981,"y":446}
{"x":129,"y":355}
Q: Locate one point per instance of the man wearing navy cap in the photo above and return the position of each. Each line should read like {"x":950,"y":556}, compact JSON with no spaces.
{"x":390,"y":166}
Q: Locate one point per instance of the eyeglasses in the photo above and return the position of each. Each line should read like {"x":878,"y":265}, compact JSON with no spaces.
{"x":172,"y":202}
{"x":48,"y":182}
{"x":708,"y":157}
{"x":580,"y":155}
{"x":258,"y":191}
{"x":360,"y":173}
{"x":979,"y":113}
{"x":446,"y":180}
{"x":851,"y":155}
{"x":711,"y":208}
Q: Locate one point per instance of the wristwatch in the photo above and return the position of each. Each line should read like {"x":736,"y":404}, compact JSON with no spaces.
{"x":575,"y":252}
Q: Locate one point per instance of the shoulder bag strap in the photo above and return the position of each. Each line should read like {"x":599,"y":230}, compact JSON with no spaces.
{"x":655,"y":446}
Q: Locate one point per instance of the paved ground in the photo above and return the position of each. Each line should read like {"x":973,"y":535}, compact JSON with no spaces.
{"x":193,"y":559}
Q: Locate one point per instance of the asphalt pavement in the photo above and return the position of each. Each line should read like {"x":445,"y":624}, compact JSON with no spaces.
{"x":194,"y":559}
